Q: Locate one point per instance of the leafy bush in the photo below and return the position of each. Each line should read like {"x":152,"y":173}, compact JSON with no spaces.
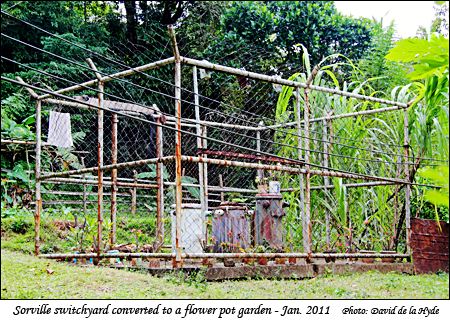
{"x":20,"y":225}
{"x":15,"y":219}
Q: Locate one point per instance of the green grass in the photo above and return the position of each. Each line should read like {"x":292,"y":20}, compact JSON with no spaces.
{"x":18,"y":231}
{"x":24,"y":277}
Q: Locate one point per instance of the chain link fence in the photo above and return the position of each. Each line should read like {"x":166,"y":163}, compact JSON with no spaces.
{"x":267,"y":164}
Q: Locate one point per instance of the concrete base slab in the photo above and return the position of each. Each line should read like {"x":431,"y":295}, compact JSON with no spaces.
{"x":219,"y":272}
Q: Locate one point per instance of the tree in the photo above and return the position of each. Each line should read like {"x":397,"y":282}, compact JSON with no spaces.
{"x":130,"y":9}
{"x":374,"y":68}
{"x":440,"y":22}
{"x":266,"y":35}
{"x":59,"y":17}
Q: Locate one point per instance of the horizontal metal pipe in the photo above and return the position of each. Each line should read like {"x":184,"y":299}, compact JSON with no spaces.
{"x":216,"y":188}
{"x":272,"y":79}
{"x":70,"y":104}
{"x":360,"y":113}
{"x":281,"y":168}
{"x":20,"y":142}
{"x":192,"y":122}
{"x":109,"y":167}
{"x":89,"y":106}
{"x":107,"y":178}
{"x":357,"y":113}
{"x":74,"y":202}
{"x":92,"y":182}
{"x":358,"y":96}
{"x":350,"y":185}
{"x":183,"y":124}
{"x":224,"y":255}
{"x":222,"y":162}
{"x":111,"y":77}
{"x":354,"y":176}
{"x":128,"y":72}
{"x":70,"y":193}
{"x":62,"y":180}
{"x":138,"y":185}
{"x":106,"y":255}
{"x":72,"y":88}
{"x":239,"y":72}
{"x":32,"y":93}
{"x":231,"y":189}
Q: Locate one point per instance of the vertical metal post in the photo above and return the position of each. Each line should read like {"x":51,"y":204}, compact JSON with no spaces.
{"x":201,"y":175}
{"x":84,"y":189}
{"x":397,"y":188}
{"x":260,"y":172}
{"x":101,"y":87}
{"x":307,"y":175}
{"x":160,"y":183}
{"x":326,"y":179}
{"x":222,"y":194}
{"x":300,"y":177}
{"x":205,"y":165}
{"x":134,"y":194}
{"x":407,"y":178}
{"x":100,"y":171}
{"x":38,"y":208}
{"x":114,"y":121}
{"x":178,"y":169}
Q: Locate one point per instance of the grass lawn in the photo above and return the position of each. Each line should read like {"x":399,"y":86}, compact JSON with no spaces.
{"x":24,"y":277}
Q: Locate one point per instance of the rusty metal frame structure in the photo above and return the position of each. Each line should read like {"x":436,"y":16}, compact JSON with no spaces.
{"x":304,"y":172}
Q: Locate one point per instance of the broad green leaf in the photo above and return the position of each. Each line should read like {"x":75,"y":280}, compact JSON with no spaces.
{"x":437,"y":198}
{"x":438,"y":175}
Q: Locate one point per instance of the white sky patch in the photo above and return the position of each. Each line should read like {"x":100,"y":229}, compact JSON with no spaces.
{"x":408,"y":16}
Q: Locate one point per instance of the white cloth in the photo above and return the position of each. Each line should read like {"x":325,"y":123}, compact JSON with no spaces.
{"x":59,"y":130}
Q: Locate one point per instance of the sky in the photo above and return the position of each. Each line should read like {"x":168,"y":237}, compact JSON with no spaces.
{"x":407,"y":15}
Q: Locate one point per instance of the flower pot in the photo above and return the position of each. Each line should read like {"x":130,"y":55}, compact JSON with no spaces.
{"x":248,"y":260}
{"x":207,"y":262}
{"x":280,"y":260}
{"x":367,"y":259}
{"x":388,"y":259}
{"x":228,"y":263}
{"x":154,"y":263}
{"x":329,"y":258}
{"x":262,"y":261}
{"x":292,"y":260}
